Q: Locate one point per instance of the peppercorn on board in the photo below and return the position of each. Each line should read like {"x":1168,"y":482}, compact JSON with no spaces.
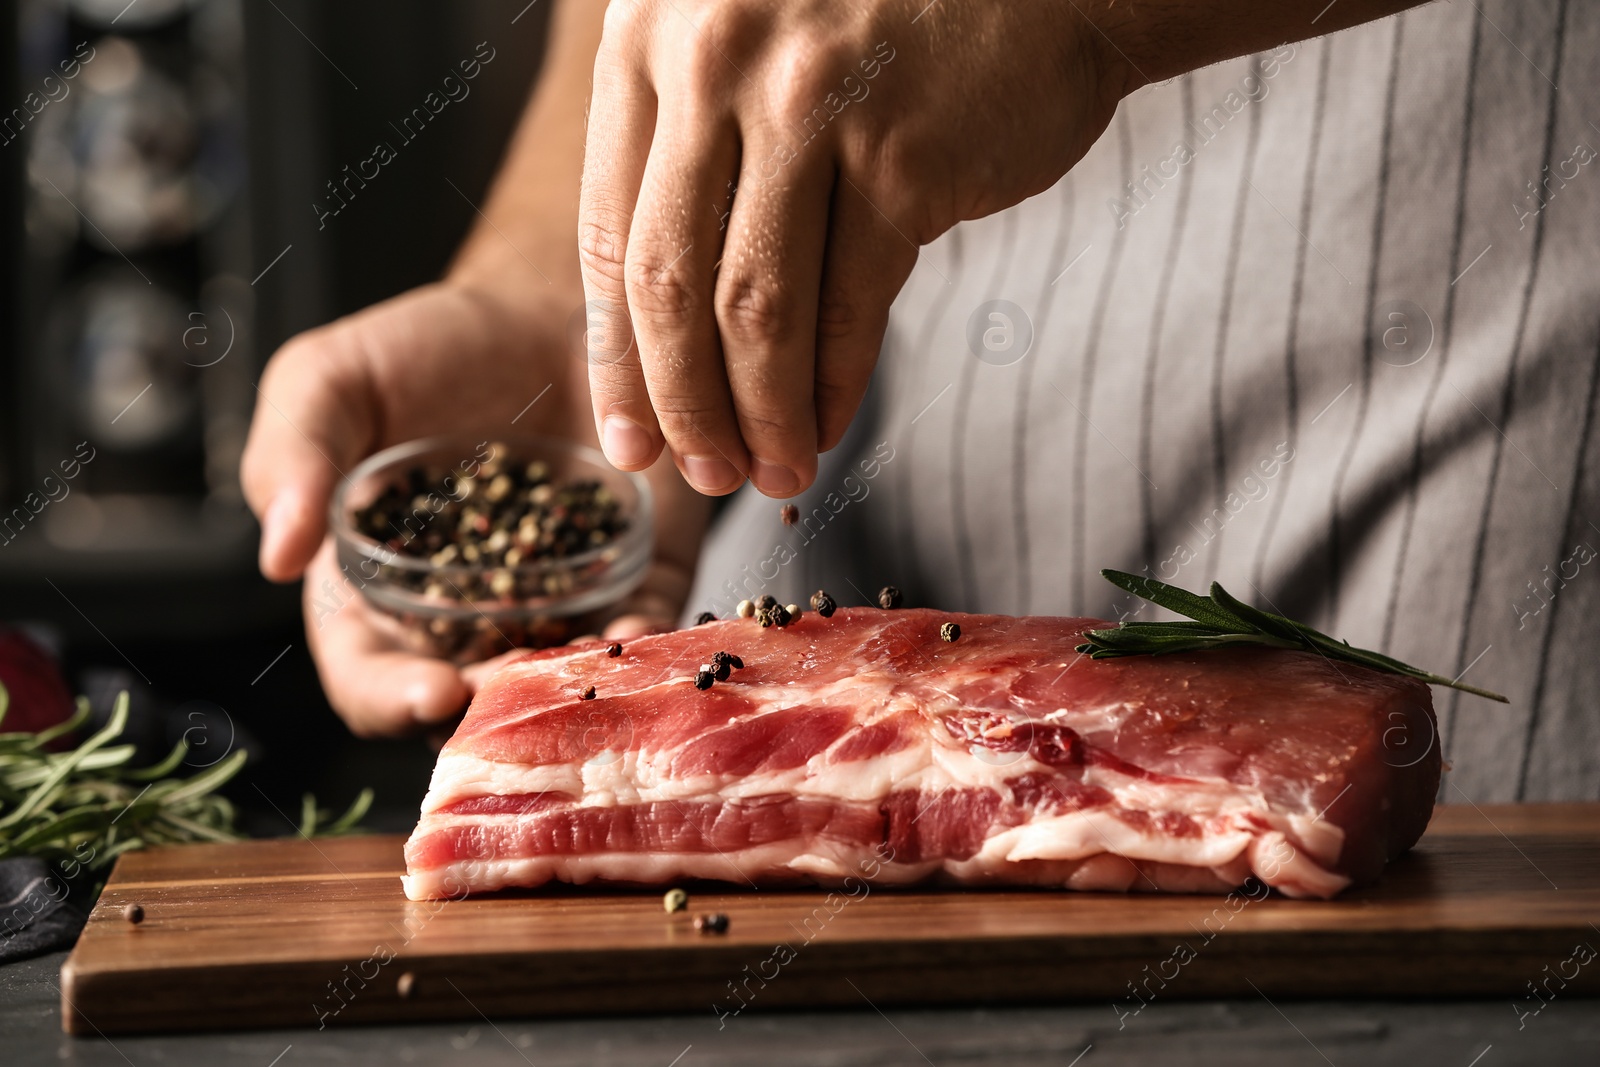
{"x":300,"y":934}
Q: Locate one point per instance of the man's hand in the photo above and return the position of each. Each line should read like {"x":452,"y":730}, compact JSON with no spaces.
{"x":759,"y":175}
{"x":757,"y":181}
{"x":444,"y":358}
{"x":465,"y":355}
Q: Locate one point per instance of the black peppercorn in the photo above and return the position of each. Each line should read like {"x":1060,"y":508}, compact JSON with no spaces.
{"x":950,"y":631}
{"x":615,"y":649}
{"x":703,"y":679}
{"x":134,"y":914}
{"x":888,"y":597}
{"x":780,"y":615}
{"x":704,"y":617}
{"x":789,"y":514}
{"x":587,"y":694}
{"x":738,"y":664}
{"x":721,"y":665}
{"x":715,"y":923}
{"x":765,"y":602}
{"x":823,"y":604}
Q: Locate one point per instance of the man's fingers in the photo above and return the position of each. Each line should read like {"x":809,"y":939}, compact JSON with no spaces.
{"x":378,"y":688}
{"x":673,"y":250}
{"x":766,"y":304}
{"x":312,"y":421}
{"x":867,"y":262}
{"x":621,"y":121}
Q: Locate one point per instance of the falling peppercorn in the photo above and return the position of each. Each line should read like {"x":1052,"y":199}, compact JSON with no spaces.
{"x":823,"y":604}
{"x":405,"y":984}
{"x":715,"y":923}
{"x":134,"y":914}
{"x":587,"y":694}
{"x":789,"y":514}
{"x":704,"y":617}
{"x":675,"y":900}
{"x":615,"y":649}
{"x":888,"y":597}
{"x":950,"y":631}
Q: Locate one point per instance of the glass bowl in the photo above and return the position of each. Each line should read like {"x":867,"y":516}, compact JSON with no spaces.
{"x":564,"y":575}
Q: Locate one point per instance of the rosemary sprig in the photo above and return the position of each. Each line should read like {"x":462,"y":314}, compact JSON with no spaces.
{"x":1221,"y":620}
{"x":83,"y":808}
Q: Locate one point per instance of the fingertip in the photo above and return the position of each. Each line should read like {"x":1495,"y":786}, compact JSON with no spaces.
{"x":436,"y":694}
{"x":289,"y":536}
{"x":629,"y":626}
{"x":711,"y":475}
{"x":627,"y":445}
{"x":776,"y":480}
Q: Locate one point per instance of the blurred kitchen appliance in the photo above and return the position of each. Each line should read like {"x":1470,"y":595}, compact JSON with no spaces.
{"x":162,"y":163}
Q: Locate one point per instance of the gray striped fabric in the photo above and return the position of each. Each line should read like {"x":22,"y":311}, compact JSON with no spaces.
{"x":1322,"y":324}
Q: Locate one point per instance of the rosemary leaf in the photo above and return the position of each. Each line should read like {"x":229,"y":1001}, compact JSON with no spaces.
{"x":1192,"y":605}
{"x":1222,"y":620}
{"x":82,"y":808}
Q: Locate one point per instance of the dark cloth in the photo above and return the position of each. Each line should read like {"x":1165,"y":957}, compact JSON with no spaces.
{"x":39,"y":911}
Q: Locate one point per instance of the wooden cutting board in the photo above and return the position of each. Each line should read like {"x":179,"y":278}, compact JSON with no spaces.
{"x":309,"y":933}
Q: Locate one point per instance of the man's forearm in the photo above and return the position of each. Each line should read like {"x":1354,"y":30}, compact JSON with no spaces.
{"x":1153,"y":40}
{"x":533,"y":204}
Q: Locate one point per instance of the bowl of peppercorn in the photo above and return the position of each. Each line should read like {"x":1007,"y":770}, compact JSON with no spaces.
{"x":469,"y":548}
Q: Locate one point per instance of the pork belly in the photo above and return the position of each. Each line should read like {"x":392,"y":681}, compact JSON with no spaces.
{"x":865,"y":742}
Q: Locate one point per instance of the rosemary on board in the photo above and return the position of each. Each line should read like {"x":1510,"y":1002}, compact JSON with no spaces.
{"x":85,"y":807}
{"x":1221,"y":621}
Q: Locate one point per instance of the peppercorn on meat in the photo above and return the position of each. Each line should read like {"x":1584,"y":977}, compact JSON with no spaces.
{"x":796,"y":753}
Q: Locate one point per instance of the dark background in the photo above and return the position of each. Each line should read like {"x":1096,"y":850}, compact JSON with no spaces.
{"x":159,"y":592}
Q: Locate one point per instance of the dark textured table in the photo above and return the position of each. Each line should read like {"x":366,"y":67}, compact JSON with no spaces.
{"x":1232,"y":1033}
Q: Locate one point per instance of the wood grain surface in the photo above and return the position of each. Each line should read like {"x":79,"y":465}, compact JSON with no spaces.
{"x":318,"y":933}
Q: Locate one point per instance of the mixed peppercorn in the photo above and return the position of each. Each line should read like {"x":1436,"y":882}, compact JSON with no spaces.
{"x":488,"y":527}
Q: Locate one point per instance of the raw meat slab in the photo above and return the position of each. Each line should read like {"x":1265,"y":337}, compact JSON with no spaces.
{"x":863,"y":749}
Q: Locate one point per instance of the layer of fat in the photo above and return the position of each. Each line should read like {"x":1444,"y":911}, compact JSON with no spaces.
{"x":1234,"y":820}
{"x":852,"y":869}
